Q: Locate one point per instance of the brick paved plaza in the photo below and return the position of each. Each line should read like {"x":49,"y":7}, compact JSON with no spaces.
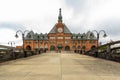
{"x":60,"y":66}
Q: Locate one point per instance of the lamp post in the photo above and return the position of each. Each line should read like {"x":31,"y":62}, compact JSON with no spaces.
{"x":38,"y":50}
{"x":23,"y":33}
{"x":81,"y":37}
{"x":74,"y":42}
{"x":12,"y":53}
{"x":11,"y":43}
{"x":81,"y":43}
{"x":98,"y":33}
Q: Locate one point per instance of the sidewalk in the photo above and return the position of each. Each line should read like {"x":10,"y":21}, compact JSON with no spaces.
{"x":57,"y":66}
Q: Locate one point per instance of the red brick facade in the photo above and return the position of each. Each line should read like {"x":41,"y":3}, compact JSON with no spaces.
{"x":60,"y":38}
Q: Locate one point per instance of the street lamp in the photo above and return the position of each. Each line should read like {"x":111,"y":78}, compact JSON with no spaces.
{"x":23,"y":33}
{"x":80,"y":38}
{"x":98,"y":33}
{"x":11,"y":43}
{"x":81,"y":51}
{"x":12,"y":53}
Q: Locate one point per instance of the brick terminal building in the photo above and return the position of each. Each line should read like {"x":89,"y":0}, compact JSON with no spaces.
{"x":60,"y":38}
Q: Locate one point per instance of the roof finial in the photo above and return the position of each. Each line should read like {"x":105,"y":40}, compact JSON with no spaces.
{"x":60,"y":16}
{"x":60,"y":11}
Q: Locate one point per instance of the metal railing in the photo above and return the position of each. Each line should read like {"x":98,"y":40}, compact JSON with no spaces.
{"x":9,"y":54}
{"x":106,"y":52}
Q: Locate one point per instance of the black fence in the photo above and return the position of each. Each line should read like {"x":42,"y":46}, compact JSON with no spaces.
{"x":6,"y":55}
{"x":112,"y":54}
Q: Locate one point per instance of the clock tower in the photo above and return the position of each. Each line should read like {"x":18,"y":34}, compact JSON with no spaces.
{"x":60,"y":26}
{"x":60,"y":35}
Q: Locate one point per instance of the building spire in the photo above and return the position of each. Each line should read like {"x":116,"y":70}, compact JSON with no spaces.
{"x":60,"y":16}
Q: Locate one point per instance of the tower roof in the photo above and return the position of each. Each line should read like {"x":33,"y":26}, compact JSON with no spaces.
{"x":66,"y":30}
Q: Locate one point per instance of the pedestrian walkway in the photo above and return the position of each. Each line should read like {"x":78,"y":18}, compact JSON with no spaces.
{"x":60,"y":66}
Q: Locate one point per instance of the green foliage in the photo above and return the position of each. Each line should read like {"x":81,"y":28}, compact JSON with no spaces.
{"x":103,"y":48}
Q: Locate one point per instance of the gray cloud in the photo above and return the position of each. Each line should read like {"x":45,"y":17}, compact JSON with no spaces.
{"x":95,"y":15}
{"x":112,"y":26}
{"x":77,"y":5}
{"x":79,"y":15}
{"x":13,"y":26}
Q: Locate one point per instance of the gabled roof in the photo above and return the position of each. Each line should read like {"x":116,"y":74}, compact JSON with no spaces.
{"x":36,"y":36}
{"x":89,"y":36}
{"x":84,"y":36}
{"x":53,"y":30}
{"x":66,"y":30}
{"x":30,"y":35}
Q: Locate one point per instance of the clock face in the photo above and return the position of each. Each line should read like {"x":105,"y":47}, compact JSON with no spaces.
{"x":60,"y":30}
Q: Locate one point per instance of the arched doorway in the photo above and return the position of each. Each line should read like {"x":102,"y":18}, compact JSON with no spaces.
{"x":78,"y":47}
{"x":84,"y":47}
{"x":52,"y":48}
{"x":67,"y":48}
{"x":93,"y":47}
{"x":59,"y":46}
{"x":28,"y":47}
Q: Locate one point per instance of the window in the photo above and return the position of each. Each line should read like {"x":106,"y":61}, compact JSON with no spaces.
{"x":41,"y":42}
{"x":78,"y":42}
{"x":52,"y":37}
{"x":91,"y":42}
{"x":36,"y":46}
{"x":84,"y":42}
{"x":36,"y":42}
{"x":59,"y":37}
{"x":79,"y":47}
{"x":29,"y":42}
{"x":52,"y":42}
{"x":67,"y":42}
{"x":67,"y":37}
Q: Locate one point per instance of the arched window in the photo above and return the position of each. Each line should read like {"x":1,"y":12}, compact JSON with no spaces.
{"x":28,"y":47}
{"x":67,"y":48}
{"x":93,"y":47}
{"x":83,"y":47}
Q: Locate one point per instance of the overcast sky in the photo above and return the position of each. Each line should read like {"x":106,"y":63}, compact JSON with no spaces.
{"x":41,"y":15}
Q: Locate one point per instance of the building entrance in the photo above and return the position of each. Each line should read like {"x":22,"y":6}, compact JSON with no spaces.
{"x":28,"y":48}
{"x":67,"y":48}
{"x":59,"y":48}
{"x":52,"y":48}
